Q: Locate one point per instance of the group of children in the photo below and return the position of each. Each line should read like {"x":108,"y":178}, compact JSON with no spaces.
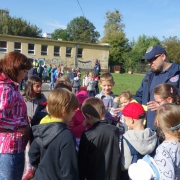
{"x":107,"y":131}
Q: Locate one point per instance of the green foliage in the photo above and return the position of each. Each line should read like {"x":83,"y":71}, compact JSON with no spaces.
{"x":60,"y":34}
{"x":133,"y":58}
{"x":17,"y":26}
{"x":115,"y":36}
{"x":81,"y":29}
{"x":172,"y":45}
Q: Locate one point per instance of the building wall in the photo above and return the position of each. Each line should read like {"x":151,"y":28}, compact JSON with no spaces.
{"x":90,"y":51}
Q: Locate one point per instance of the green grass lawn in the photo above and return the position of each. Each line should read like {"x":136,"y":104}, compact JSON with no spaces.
{"x":124,"y":82}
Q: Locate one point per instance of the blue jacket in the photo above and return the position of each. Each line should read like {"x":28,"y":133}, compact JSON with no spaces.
{"x":97,"y":68}
{"x":143,"y":93}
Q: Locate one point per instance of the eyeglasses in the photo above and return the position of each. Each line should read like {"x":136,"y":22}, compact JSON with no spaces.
{"x":159,"y":102}
{"x":153,"y":59}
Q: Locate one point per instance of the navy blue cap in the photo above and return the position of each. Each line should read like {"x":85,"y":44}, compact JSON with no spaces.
{"x":153,"y":51}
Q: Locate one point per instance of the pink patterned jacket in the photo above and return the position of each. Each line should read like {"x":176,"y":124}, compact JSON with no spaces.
{"x":13,"y":118}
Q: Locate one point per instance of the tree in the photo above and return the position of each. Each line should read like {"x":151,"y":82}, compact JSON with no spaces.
{"x":17,"y":26}
{"x":172,"y":45}
{"x":115,"y":36}
{"x":60,"y":34}
{"x":133,"y":58}
{"x":82,"y":30}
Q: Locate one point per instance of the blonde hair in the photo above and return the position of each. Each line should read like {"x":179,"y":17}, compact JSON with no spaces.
{"x":94,"y":107}
{"x":127,"y":95}
{"x":165,"y":90}
{"x":107,"y":77}
{"x":168,"y":116}
{"x":61,"y":100}
{"x":63,"y":82}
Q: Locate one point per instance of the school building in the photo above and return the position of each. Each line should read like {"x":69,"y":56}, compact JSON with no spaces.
{"x":70,"y":54}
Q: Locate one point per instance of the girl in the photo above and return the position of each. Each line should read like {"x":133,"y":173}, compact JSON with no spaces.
{"x":91,"y":83}
{"x":34,"y":100}
{"x":85,"y":78}
{"x":164,"y":93}
{"x":166,"y":163}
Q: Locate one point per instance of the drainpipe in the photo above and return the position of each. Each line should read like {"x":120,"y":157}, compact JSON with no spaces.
{"x":75,"y":56}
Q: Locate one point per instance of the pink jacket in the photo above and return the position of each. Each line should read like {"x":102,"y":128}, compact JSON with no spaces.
{"x":14,"y":124}
{"x":77,"y":127}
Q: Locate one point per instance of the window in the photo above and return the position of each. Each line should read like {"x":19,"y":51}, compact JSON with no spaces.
{"x":31,"y":49}
{"x":56,"y":51}
{"x":3,"y":46}
{"x":17,"y":46}
{"x":68,"y":51}
{"x":80,"y":52}
{"x":43,"y":49}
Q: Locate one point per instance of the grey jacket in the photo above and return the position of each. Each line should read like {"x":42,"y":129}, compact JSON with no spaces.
{"x":144,"y":141}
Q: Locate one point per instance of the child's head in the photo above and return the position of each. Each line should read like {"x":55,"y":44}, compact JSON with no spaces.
{"x":93,"y":109}
{"x":82,"y":96}
{"x":168,"y":119}
{"x":62,"y":104}
{"x":134,"y":115}
{"x":33,"y":88}
{"x":79,"y":74}
{"x":106,"y":82}
{"x":63,"y":82}
{"x":125,"y":98}
{"x":166,"y":93}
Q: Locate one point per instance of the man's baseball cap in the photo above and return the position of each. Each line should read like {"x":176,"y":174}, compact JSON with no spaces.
{"x":153,"y":51}
{"x":134,"y":110}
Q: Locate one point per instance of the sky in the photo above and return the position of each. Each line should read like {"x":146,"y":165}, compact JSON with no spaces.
{"x":149,"y":17}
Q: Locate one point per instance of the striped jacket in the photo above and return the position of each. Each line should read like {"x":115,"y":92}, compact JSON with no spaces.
{"x":14,"y":124}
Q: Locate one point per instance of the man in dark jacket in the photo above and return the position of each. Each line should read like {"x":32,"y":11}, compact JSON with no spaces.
{"x":162,"y":71}
{"x":97,"y":67}
{"x":99,"y":153}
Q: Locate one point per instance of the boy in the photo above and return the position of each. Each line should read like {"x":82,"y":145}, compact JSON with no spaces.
{"x":76,"y":84}
{"x":142,"y":140}
{"x":107,"y":96}
{"x":53,"y":151}
{"x":99,"y":154}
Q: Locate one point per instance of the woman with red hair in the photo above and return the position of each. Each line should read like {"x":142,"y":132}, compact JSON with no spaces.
{"x":14,"y":126}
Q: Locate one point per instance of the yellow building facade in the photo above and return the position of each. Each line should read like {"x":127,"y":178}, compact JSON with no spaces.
{"x":70,"y":54}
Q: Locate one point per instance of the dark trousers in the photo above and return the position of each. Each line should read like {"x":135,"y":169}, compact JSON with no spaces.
{"x":91,"y":93}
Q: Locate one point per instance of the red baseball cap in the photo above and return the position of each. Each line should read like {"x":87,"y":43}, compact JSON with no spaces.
{"x":134,"y":110}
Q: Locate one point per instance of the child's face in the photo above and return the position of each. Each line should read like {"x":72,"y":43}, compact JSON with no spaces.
{"x":37,"y":87}
{"x":124,"y":101}
{"x":161,"y":101}
{"x":106,"y":86}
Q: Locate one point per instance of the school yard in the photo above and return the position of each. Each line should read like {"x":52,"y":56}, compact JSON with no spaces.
{"x":123,"y":82}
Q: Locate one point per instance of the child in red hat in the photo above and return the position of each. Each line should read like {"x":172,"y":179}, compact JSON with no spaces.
{"x":142,"y":140}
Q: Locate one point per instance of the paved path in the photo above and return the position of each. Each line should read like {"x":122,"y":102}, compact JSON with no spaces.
{"x":45,"y":89}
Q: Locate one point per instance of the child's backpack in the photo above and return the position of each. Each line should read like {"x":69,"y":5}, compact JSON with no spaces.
{"x":136,"y":156}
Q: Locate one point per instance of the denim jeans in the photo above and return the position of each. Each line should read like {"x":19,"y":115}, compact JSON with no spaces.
{"x":11,"y":166}
{"x":52,"y":83}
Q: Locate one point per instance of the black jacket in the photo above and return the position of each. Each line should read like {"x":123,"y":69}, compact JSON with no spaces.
{"x":99,"y":153}
{"x":53,"y":152}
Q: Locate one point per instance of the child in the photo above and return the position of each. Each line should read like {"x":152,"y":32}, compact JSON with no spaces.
{"x":76,"y":84}
{"x":45,"y":74}
{"x":166,"y":163}
{"x":53,"y":151}
{"x":33,"y":99}
{"x":85,"y":78}
{"x":99,"y":154}
{"x":144,"y":141}
{"x":79,"y":123}
{"x":96,"y":78}
{"x":107,"y":96}
{"x":91,"y":83}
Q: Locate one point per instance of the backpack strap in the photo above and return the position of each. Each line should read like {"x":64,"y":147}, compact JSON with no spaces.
{"x":135,"y":154}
